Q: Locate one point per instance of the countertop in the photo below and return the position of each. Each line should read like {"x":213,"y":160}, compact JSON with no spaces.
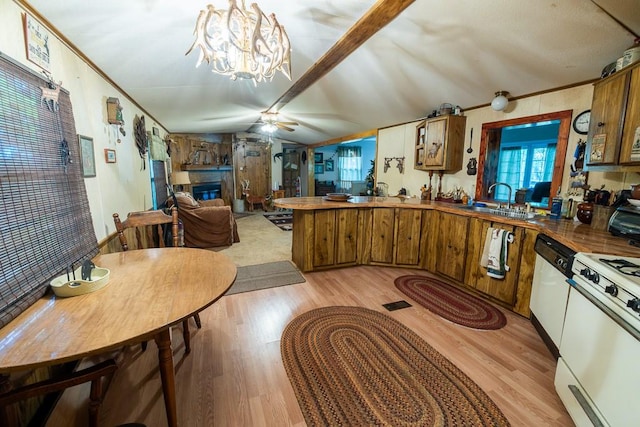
{"x":577,"y":236}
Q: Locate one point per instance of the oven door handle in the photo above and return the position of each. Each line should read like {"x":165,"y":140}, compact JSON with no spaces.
{"x":582,"y":401}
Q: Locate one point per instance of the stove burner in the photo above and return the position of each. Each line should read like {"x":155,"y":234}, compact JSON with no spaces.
{"x":623,"y":266}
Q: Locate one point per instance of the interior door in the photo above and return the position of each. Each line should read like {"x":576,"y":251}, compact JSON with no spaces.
{"x":252,"y":163}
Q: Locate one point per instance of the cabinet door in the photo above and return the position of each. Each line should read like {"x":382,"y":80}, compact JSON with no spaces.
{"x":603,"y":142}
{"x":420,"y":150}
{"x":346,"y":235}
{"x":451,"y":245}
{"x":324,"y":238}
{"x":290,"y":172}
{"x":435,"y":144}
{"x":630,"y":147}
{"x":382,"y":235}
{"x":501,"y":289}
{"x":408,"y":228}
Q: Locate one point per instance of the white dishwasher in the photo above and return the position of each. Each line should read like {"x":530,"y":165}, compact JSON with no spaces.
{"x":549,"y":290}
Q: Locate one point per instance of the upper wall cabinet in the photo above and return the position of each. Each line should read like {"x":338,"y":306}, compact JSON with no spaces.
{"x":440,"y":143}
{"x":614,"y":127}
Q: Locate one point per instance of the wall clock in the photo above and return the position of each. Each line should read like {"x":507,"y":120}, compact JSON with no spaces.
{"x":581,"y":122}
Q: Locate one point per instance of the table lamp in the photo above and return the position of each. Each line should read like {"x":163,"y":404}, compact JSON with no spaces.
{"x":179,"y":180}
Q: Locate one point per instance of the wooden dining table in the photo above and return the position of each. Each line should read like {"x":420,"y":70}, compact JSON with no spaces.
{"x":148,"y":291}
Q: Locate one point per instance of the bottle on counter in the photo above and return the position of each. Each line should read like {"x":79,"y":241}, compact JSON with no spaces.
{"x":556,"y":206}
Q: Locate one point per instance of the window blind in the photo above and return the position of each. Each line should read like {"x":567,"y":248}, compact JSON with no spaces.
{"x":45,"y":222}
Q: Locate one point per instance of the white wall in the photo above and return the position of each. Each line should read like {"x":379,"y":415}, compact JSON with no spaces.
{"x":121,"y":187}
{"x":399,"y":141}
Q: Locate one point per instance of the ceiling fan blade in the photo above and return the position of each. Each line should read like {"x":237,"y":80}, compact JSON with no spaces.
{"x":290,"y":123}
{"x":283,"y":127}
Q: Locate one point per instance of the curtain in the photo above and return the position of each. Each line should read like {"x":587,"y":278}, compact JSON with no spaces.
{"x":45,"y":219}
{"x":350,"y":163}
{"x":511,"y":171}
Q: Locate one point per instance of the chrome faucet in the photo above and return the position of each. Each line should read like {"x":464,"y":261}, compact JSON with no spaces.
{"x":506,"y":185}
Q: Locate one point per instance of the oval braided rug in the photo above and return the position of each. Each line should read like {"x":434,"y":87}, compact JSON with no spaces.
{"x":355,"y":366}
{"x":451,"y":303}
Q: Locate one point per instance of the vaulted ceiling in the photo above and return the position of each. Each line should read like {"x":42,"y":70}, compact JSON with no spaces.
{"x":432,"y":52}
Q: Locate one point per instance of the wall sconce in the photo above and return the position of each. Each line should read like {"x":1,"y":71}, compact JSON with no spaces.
{"x":400,"y":165}
{"x":500,"y":102}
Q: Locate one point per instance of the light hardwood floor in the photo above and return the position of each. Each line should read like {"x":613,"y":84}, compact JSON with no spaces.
{"x":234,"y":375}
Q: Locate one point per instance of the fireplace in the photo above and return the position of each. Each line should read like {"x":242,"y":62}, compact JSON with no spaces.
{"x":207,"y":191}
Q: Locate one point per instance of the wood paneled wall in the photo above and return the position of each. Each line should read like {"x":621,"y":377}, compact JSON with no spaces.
{"x":213,"y":150}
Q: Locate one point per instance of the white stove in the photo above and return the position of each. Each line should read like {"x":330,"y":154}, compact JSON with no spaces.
{"x":600,"y":345}
{"x":614,"y":281}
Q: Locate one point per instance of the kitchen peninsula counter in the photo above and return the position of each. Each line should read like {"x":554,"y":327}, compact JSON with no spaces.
{"x":575,"y":235}
{"x":446,"y":239}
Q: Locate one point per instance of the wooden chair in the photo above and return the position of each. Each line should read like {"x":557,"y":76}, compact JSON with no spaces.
{"x":151,"y":222}
{"x":94,"y":374}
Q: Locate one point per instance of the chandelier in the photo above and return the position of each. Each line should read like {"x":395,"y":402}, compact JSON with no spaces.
{"x":242,"y":43}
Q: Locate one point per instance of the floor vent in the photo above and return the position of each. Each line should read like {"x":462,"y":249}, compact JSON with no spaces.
{"x":391,"y":306}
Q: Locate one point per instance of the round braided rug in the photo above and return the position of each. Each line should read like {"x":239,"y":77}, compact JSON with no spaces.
{"x":355,"y":366}
{"x":451,"y":303}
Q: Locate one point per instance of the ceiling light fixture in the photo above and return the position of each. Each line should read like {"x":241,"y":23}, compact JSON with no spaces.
{"x":500,"y":102}
{"x":242,"y":43}
{"x":269,"y":120}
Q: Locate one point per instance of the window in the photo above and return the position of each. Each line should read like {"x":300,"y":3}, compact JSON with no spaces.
{"x":527,"y":156}
{"x":45,"y":219}
{"x":528,"y":159}
{"x":350,"y":163}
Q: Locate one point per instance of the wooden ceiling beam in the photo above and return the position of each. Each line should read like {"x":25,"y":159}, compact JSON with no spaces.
{"x":383,"y":12}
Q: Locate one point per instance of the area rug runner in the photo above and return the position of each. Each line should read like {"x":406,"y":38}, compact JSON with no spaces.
{"x":263,"y":276}
{"x":355,"y":366}
{"x":451,"y":303}
{"x":282,"y":220}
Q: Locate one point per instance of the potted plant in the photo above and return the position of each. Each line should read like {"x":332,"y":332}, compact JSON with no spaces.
{"x":369,"y":179}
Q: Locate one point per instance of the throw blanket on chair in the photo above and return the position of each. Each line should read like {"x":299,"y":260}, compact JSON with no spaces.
{"x":494,"y":254}
{"x":207,"y":223}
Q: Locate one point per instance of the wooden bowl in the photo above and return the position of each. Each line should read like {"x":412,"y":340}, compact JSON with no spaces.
{"x":635,"y":191}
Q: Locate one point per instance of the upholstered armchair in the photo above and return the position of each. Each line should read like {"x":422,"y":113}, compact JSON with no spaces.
{"x":207,"y":223}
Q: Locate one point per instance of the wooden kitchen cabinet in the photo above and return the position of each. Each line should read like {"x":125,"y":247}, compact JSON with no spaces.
{"x":614,"y":126}
{"x":397,"y":236}
{"x":515,"y":289}
{"x":346,"y":236}
{"x":630,"y":146}
{"x":382,"y":235}
{"x":439,"y":143}
{"x":335,"y":237}
{"x":408,"y":233}
{"x":501,"y":289}
{"x":448,"y":249}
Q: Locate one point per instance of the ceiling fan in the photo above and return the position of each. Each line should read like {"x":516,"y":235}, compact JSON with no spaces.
{"x":270,"y":123}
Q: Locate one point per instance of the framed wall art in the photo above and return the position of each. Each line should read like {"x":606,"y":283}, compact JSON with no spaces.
{"x":318,"y":157}
{"x":319,"y":168}
{"x":109,"y":155}
{"x":87,"y":156}
{"x":328,"y":165}
{"x":36,"y":39}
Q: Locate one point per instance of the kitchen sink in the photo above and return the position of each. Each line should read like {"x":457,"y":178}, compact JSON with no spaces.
{"x":476,"y":208}
{"x":509,"y":213}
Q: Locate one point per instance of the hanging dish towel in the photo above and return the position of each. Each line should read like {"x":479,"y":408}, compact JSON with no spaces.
{"x":494,"y":255}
